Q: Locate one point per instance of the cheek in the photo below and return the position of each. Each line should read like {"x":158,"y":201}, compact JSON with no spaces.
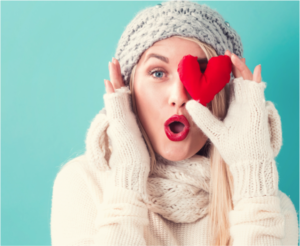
{"x":144,"y":100}
{"x":145,"y":103}
{"x":150,"y":102}
{"x":199,"y":138}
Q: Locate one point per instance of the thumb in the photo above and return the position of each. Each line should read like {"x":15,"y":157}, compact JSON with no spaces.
{"x":205,"y":120}
{"x":275,"y":128}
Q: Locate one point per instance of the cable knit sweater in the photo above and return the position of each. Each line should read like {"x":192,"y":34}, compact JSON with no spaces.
{"x":83,"y":215}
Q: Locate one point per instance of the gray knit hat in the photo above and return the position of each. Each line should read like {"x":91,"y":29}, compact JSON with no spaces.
{"x":170,"y":18}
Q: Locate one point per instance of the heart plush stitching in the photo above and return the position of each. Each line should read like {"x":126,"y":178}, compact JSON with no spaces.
{"x":204,"y":86}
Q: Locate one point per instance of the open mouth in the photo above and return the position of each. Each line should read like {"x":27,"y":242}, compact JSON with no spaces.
{"x":177,"y":127}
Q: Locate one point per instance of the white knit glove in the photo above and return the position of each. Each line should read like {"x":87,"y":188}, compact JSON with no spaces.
{"x":130,"y":160}
{"x":121,"y":172}
{"x":275,"y":128}
{"x":243,"y":138}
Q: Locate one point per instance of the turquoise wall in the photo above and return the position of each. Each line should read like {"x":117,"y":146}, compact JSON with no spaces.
{"x":54,"y":57}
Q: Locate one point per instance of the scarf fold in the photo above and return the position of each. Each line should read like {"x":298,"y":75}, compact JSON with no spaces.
{"x":179,"y":190}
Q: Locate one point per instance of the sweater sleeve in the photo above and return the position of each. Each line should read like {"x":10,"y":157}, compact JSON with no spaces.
{"x":291,"y":230}
{"x":80,"y":217}
{"x":266,"y":218}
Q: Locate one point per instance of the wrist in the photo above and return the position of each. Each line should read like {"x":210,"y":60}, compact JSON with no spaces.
{"x":121,"y":204}
{"x":120,"y":196}
{"x":117,"y":104}
{"x":254,"y":179}
{"x":120,"y":187}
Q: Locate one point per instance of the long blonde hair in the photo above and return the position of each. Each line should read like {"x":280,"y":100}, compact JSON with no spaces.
{"x":221,"y":183}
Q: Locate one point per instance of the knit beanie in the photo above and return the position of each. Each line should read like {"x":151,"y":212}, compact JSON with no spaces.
{"x":184,"y":18}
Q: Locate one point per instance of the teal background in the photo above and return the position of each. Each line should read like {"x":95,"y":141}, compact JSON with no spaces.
{"x":54,"y":57}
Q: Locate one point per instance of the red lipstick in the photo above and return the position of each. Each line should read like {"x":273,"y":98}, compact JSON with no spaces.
{"x":177,"y":127}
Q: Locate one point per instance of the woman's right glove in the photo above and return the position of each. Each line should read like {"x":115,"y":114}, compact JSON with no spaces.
{"x":130,"y":160}
{"x":127,"y":166}
{"x":122,"y":172}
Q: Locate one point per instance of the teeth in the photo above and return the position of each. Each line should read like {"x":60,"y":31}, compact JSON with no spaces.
{"x":176,"y":126}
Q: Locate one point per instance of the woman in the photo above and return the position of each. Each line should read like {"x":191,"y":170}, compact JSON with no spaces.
{"x":160,"y":168}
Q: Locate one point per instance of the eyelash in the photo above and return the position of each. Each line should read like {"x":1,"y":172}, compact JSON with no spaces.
{"x":154,"y":71}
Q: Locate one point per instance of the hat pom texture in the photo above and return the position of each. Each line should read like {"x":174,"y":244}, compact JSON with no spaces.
{"x":184,"y":18}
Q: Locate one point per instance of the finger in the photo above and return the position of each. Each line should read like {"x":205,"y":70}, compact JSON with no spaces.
{"x":235,"y":71}
{"x":244,"y":60}
{"x":118,"y":72}
{"x":240,"y":69}
{"x":227,"y":53}
{"x":257,"y":74}
{"x":108,"y":87}
{"x":205,"y":120}
{"x":113,"y":76}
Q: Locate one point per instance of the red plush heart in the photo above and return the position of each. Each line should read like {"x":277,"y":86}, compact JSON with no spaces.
{"x":204,"y":86}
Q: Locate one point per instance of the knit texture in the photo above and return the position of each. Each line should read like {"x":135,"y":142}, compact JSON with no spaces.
{"x":80,"y":217}
{"x":243,"y":138}
{"x":184,"y":18}
{"x":89,"y":208}
{"x":179,"y":191}
{"x":175,"y":189}
{"x":274,"y":128}
{"x":124,"y":171}
{"x":132,"y":171}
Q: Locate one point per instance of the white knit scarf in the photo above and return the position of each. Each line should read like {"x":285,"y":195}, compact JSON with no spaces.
{"x":179,"y":190}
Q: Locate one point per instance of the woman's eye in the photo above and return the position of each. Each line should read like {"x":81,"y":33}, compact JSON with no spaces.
{"x":157,"y":74}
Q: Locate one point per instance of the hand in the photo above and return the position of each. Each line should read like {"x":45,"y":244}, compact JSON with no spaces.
{"x":115,"y":76}
{"x":243,"y":138}
{"x":239,"y":68}
{"x":243,"y":135}
{"x":130,"y":160}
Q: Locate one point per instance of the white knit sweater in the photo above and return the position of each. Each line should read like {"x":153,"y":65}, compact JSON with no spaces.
{"x":77,"y":199}
{"x":80,"y":216}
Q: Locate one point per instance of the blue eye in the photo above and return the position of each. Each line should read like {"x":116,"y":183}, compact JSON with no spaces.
{"x":158,"y":73}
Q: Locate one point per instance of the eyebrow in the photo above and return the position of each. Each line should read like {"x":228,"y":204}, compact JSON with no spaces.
{"x":166,"y":59}
{"x":163,"y":58}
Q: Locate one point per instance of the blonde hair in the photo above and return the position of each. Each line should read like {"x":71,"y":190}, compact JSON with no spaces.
{"x":221,"y":183}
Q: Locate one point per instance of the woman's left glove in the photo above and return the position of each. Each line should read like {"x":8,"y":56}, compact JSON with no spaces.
{"x":243,"y":138}
{"x":275,"y":128}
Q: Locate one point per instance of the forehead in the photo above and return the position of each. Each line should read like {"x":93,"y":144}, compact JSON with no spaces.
{"x":173,"y":48}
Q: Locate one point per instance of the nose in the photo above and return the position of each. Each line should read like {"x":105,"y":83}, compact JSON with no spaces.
{"x":179,"y":95}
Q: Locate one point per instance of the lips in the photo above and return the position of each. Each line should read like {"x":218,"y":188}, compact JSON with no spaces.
{"x":177,"y":127}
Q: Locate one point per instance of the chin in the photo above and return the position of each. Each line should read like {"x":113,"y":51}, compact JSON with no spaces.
{"x":173,"y":157}
{"x":175,"y":153}
{"x":178,"y":150}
